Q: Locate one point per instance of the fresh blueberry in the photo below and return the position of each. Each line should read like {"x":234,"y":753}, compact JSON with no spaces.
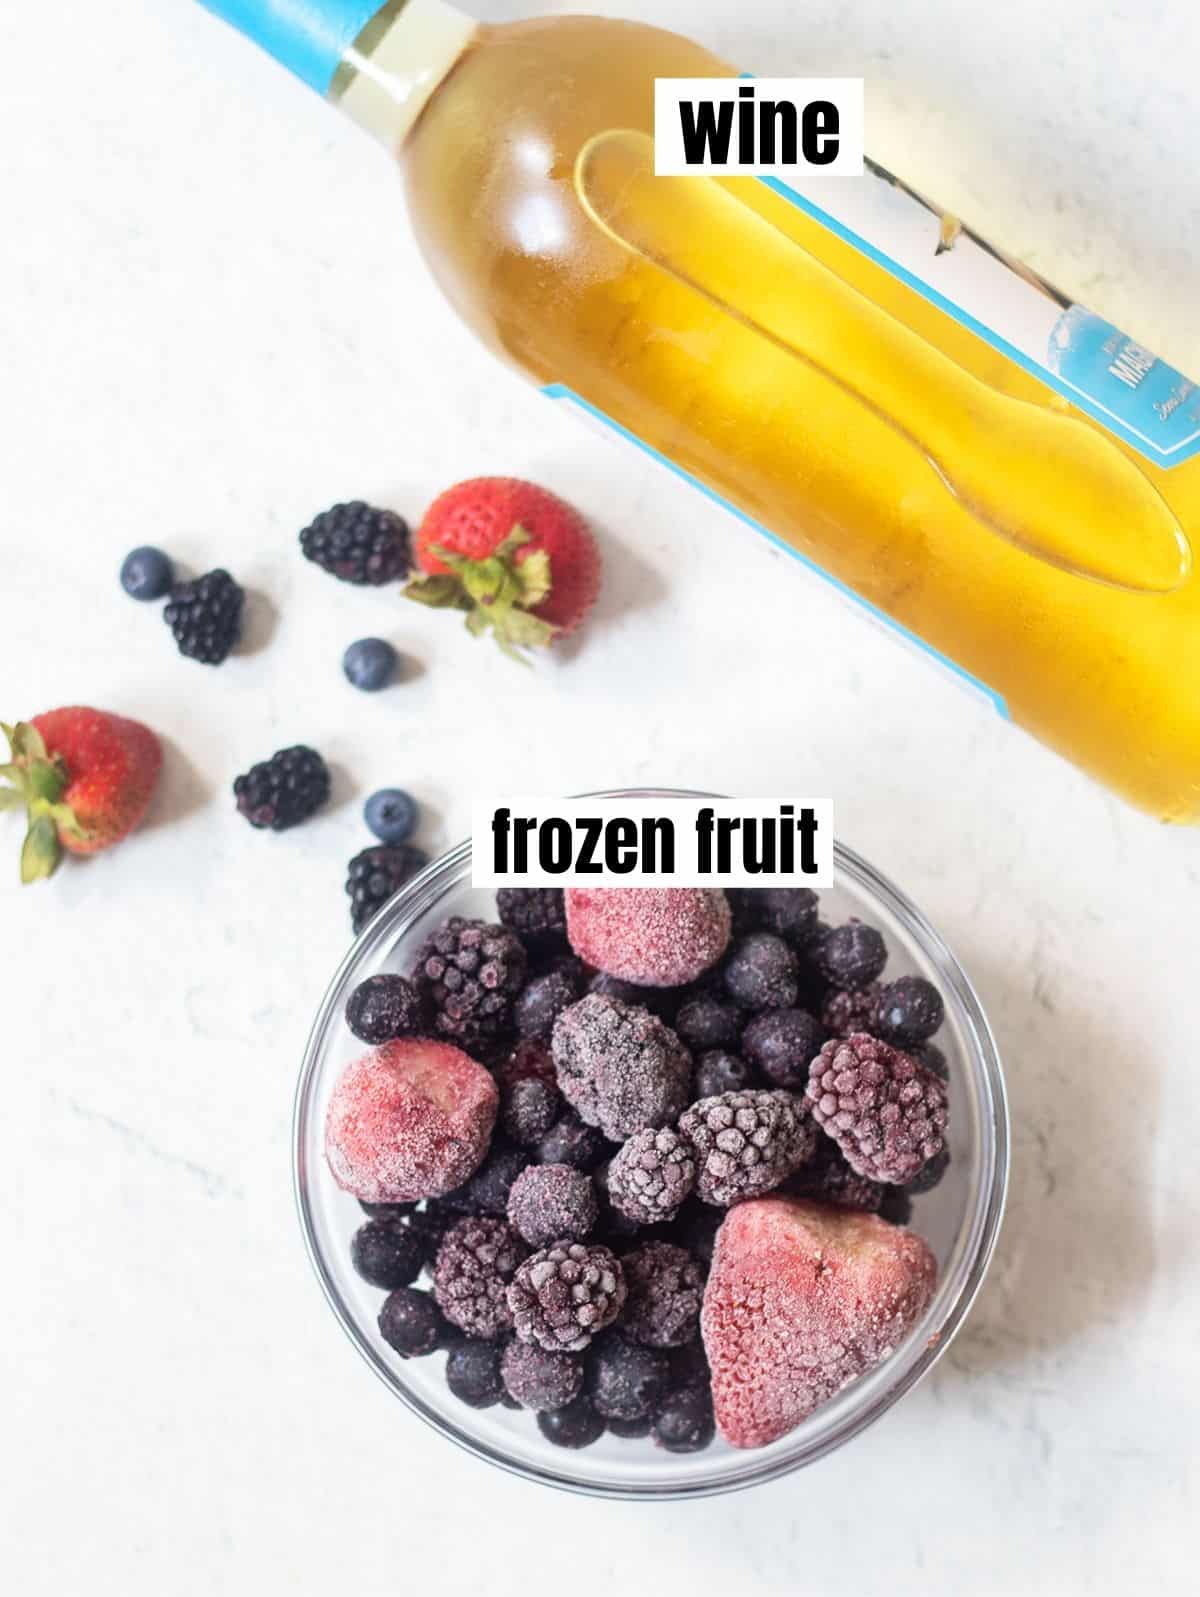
{"x":146,"y":574}
{"x":370,"y":664}
{"x":391,"y":814}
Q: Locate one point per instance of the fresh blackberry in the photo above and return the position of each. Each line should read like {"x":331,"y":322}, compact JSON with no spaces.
{"x":376,"y":874}
{"x":932,"y":1057}
{"x":473,"y":1372}
{"x":410,"y":1324}
{"x":760,"y":972}
{"x":649,"y":1178}
{"x":910,"y":1011}
{"x":930,"y":1175}
{"x":475,"y":1264}
{"x":684,"y":1422}
{"x":852,"y":955}
{"x":664,"y":1286}
{"x":619,"y":1066}
{"x":551,"y":1201}
{"x":746,"y":1143}
{"x":357,"y":543}
{"x":486,"y":1192}
{"x":468,"y":973}
{"x":576,"y":1425}
{"x":886,"y":1112}
{"x":528,"y":1108}
{"x":570,"y":1141}
{"x":626,"y":1381}
{"x":543,"y":999}
{"x":704,"y":1022}
{"x":533,"y":912}
{"x":284,"y":790}
{"x":718,"y":1071}
{"x":827,"y":1178}
{"x":384,"y":1007}
{"x":538,"y":1379}
{"x":848,"y":1009}
{"x":205,"y":616}
{"x":387,"y":1254}
{"x":780,"y":1043}
{"x":563,"y":1295}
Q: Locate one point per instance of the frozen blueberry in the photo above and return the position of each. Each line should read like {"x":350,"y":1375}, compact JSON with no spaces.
{"x":146,"y":573}
{"x":473,"y":1372}
{"x":386,"y":1253}
{"x":910,"y":1011}
{"x":705,"y":1022}
{"x":852,"y":955}
{"x":575,"y":1425}
{"x":487,"y":1190}
{"x":538,"y":1379}
{"x":370,"y":664}
{"x":544,"y":998}
{"x":718,"y":1071}
{"x":760,"y":973}
{"x":781,"y":1043}
{"x":632,"y":1430}
{"x":528,"y":1109}
{"x":384,"y":1007}
{"x":391,"y":814}
{"x":684,"y":1423}
{"x":569,"y":1141}
{"x":627,"y":1381}
{"x":932,"y":1057}
{"x":411,"y":1323}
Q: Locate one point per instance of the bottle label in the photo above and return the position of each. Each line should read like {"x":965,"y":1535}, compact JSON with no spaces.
{"x":1111,"y":378}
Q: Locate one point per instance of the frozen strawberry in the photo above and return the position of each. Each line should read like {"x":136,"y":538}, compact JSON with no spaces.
{"x":801,"y":1300}
{"x":515,"y":558}
{"x":654,"y":936}
{"x":85,"y":779}
{"x":409,"y":1120}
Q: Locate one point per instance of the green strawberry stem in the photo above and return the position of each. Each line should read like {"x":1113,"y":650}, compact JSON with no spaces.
{"x":497,"y":593}
{"x":34,"y":781}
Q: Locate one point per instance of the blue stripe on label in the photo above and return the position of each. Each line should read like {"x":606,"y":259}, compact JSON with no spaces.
{"x":1102,"y":398}
{"x":562,"y":391}
{"x":309,"y":37}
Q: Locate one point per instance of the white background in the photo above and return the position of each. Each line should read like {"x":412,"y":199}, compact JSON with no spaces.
{"x":213,"y":323}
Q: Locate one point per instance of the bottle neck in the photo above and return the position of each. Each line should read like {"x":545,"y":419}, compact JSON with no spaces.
{"x":378,"y":63}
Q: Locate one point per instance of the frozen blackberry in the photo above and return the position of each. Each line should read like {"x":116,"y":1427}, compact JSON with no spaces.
{"x":571,"y":1142}
{"x":760,"y":972}
{"x":563,"y":1295}
{"x":487,"y":1190}
{"x":528,"y":1108}
{"x":205,"y":616}
{"x":852,"y":955}
{"x":664,"y":1289}
{"x":910,"y":1011}
{"x":538,"y":1379}
{"x":789,"y":912}
{"x":746,"y":1143}
{"x":927,"y":1178}
{"x":543,"y":1000}
{"x":384,"y":1007}
{"x":387,"y":1254}
{"x":468,"y":973}
{"x":705,"y":1022}
{"x":284,"y":790}
{"x":886,"y":1112}
{"x":684,"y":1422}
{"x":619,"y":1066}
{"x":827,"y":1178}
{"x":410,"y":1324}
{"x":848,"y":1009}
{"x":651,"y":1176}
{"x":626,"y":1381}
{"x":932,"y":1057}
{"x":780,"y":1043}
{"x":576,"y":1425}
{"x":473,"y":1372}
{"x":357,"y":543}
{"x":475,"y":1264}
{"x":696,"y":1229}
{"x":718,"y":1071}
{"x":376,"y":874}
{"x":534,"y":913}
{"x":550,"y":1201}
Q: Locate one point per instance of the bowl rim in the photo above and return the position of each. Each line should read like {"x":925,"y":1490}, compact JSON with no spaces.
{"x":419,"y":895}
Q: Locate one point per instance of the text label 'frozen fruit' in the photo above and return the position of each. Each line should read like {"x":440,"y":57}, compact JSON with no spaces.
{"x":766,"y":127}
{"x":641,"y":842}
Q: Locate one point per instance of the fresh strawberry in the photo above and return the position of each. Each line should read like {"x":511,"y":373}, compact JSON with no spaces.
{"x":513,"y":556}
{"x":84,"y":778}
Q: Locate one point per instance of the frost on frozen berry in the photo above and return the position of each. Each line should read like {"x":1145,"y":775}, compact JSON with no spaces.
{"x":468,"y":972}
{"x":850,"y":1009}
{"x":619,"y":1066}
{"x":538,"y":1379}
{"x":475,"y":1263}
{"x":746,"y":1143}
{"x":563,"y":1295}
{"x":654,"y":936}
{"x":801,"y":1300}
{"x":780,"y":1043}
{"x":852,"y":955}
{"x":665,"y":1286}
{"x":409,"y":1120}
{"x":651,"y":1175}
{"x":550,"y":1201}
{"x":886,"y":1112}
{"x":762,"y":972}
{"x":910,"y":1010}
{"x":627,"y":1381}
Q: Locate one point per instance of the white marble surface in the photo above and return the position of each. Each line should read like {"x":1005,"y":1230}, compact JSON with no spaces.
{"x":214,"y":323}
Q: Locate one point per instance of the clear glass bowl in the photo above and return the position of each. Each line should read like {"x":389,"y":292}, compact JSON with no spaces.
{"x":960,"y":1218}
